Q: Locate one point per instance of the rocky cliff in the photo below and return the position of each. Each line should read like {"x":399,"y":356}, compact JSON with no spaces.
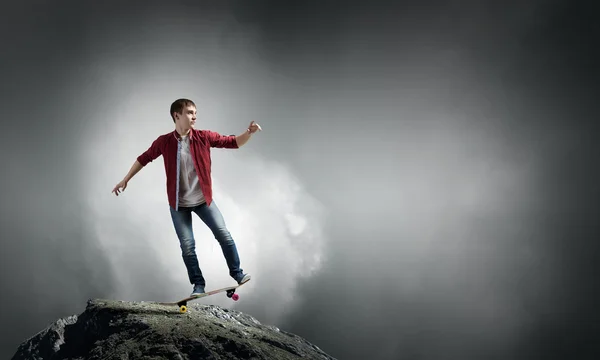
{"x":136,"y":330}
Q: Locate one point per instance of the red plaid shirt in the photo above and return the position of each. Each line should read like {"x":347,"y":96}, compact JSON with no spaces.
{"x":169,"y":146}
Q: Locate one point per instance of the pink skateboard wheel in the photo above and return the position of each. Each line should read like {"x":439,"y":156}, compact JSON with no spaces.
{"x":235,"y":297}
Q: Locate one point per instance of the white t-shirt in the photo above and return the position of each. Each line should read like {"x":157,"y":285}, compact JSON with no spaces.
{"x":190,"y":193}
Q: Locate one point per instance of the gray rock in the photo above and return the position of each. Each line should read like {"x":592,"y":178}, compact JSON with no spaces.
{"x":121,"y":330}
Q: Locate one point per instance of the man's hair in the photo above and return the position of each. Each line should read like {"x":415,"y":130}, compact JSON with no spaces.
{"x":178,"y":105}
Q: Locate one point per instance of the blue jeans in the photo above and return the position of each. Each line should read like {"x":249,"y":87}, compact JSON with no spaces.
{"x":211,"y":216}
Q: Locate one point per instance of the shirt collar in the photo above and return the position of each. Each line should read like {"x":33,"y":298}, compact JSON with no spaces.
{"x":191,"y":135}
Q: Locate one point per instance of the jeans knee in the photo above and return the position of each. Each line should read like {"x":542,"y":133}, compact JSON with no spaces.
{"x":189,"y":251}
{"x":223,"y":236}
{"x":188,"y":248}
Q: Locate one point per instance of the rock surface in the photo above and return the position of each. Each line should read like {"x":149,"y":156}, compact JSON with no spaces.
{"x":109,"y":329}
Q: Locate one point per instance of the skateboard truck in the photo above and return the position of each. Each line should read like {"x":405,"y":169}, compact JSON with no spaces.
{"x":182,"y":306}
{"x":231,"y":294}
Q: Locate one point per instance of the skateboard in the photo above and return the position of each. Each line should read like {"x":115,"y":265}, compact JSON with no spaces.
{"x":230,"y":290}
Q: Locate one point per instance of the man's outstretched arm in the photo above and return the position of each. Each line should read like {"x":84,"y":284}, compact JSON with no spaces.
{"x":135,"y":168}
{"x":152,"y":153}
{"x":243,"y":138}
{"x":122,"y":185}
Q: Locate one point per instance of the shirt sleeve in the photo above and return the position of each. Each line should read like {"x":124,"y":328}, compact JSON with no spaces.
{"x":221,"y":141}
{"x":154,"y":151}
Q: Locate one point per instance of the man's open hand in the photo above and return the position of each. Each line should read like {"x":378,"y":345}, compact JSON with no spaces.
{"x":120,"y":187}
{"x":254,"y":127}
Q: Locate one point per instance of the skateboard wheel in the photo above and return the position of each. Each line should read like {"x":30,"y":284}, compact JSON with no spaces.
{"x":230,"y":293}
{"x":235,"y":297}
{"x":182,"y":309}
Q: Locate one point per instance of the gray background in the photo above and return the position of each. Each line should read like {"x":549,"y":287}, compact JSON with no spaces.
{"x":424,"y":186}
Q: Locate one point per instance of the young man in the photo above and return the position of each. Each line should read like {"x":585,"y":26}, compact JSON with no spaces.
{"x":186,"y":154}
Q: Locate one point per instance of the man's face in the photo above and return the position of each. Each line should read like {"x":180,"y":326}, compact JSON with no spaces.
{"x":187,"y":118}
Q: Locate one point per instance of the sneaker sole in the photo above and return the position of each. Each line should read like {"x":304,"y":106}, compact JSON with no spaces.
{"x":245,"y":279}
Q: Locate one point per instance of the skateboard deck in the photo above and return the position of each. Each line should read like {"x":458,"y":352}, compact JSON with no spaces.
{"x":183,"y":302}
